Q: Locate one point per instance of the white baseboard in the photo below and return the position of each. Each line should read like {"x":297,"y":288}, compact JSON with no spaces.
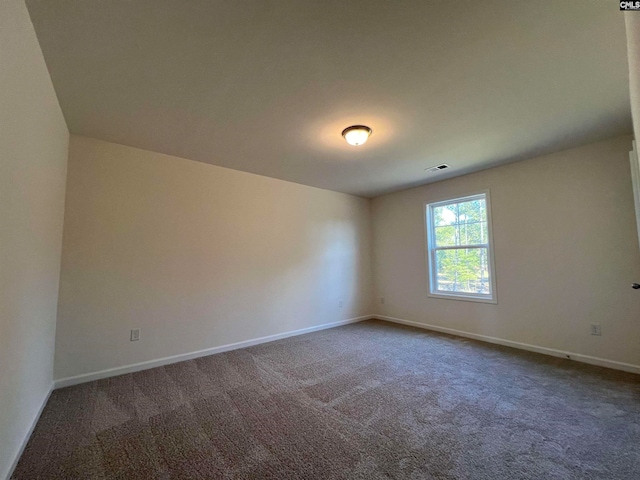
{"x":34,"y":422}
{"x":136,"y":367}
{"x":578,"y":357}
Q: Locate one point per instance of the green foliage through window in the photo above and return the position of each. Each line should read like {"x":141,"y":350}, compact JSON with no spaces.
{"x":459,"y":247}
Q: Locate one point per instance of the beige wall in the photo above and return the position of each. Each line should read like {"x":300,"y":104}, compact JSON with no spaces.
{"x":197,"y":256}
{"x":566,"y":253}
{"x":632,"y":26}
{"x":33,"y":159}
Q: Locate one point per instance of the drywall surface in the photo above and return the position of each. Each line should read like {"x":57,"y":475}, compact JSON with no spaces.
{"x":566,"y":253}
{"x":197,"y":256}
{"x":33,"y":160}
{"x":632,"y":27}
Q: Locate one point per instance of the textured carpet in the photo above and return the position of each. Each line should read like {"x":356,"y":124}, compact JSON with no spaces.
{"x":370,"y":400}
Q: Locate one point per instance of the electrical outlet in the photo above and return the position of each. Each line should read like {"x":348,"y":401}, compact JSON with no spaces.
{"x":135,"y":335}
{"x":595,"y":329}
{"x":341,"y":304}
{"x":382,"y":300}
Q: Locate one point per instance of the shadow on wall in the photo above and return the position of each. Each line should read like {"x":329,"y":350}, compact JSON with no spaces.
{"x":197,"y":256}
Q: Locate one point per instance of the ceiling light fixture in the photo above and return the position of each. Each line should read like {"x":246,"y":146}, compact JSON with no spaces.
{"x":356,"y":134}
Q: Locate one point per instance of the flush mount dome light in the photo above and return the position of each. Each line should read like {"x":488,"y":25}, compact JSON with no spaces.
{"x":356,"y":134}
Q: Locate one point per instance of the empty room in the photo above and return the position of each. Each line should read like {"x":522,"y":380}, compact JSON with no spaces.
{"x":303,"y":239}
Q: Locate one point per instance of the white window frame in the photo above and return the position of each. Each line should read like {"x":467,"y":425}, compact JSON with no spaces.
{"x":431,"y":251}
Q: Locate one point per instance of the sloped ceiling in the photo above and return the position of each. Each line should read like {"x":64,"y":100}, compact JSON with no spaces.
{"x":267,"y":86}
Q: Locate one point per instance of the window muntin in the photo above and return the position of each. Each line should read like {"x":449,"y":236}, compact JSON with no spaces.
{"x":459,"y":249}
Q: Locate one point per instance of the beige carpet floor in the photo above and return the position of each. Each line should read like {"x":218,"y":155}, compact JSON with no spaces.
{"x":371,"y":400}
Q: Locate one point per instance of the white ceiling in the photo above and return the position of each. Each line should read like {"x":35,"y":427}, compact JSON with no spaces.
{"x":267,"y":86}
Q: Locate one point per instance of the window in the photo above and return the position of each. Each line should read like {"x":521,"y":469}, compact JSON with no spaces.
{"x":459,"y":247}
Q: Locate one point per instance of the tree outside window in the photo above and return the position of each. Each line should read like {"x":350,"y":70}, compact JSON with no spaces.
{"x":459,"y":248}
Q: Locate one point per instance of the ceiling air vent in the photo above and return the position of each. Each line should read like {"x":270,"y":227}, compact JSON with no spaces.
{"x":437,"y":168}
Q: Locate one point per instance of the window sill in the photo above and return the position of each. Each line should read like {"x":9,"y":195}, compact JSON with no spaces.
{"x":465,"y":298}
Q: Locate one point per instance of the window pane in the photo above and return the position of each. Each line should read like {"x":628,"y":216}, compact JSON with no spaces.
{"x":464,"y":270}
{"x":446,"y":236}
{"x":473,"y":233}
{"x":473,"y":211}
{"x":463,"y":223}
{"x":446,"y":215}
